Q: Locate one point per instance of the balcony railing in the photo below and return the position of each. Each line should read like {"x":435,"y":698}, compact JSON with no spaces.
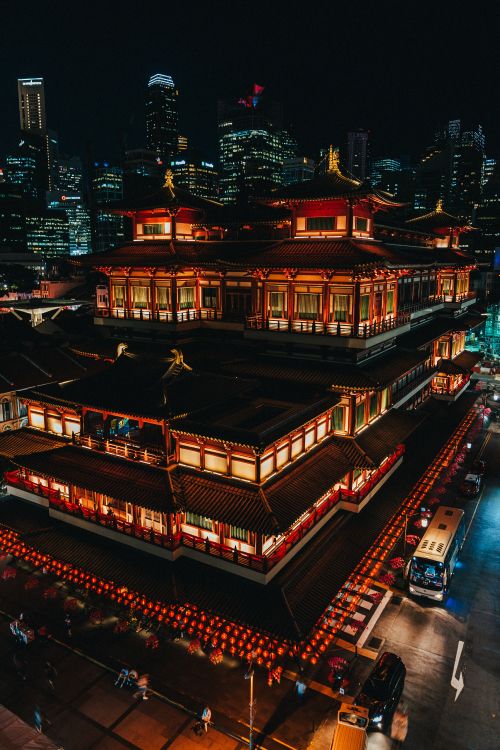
{"x":259,"y":563}
{"x":151,"y":454}
{"x":412,"y":307}
{"x":163,"y":316}
{"x":400,"y":393}
{"x":362,"y":330}
{"x":462,"y":297}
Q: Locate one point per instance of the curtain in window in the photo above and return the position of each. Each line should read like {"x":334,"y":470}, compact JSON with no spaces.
{"x":209,"y":297}
{"x":360,"y":415}
{"x":341,"y":308}
{"x":390,"y":303}
{"x":139,"y":296}
{"x":308,"y":306}
{"x":373,"y":406}
{"x":277,"y":304}
{"x":186,"y":297}
{"x":339,"y":419}
{"x":447,"y":286}
{"x":193,"y":519}
{"x":119,"y":296}
{"x":163,"y":297}
{"x":236,"y":533}
{"x":365,"y":307}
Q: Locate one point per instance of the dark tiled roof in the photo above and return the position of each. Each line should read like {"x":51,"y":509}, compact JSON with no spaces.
{"x":27,"y":441}
{"x":216,"y":422}
{"x":42,"y":365}
{"x":137,"y":386}
{"x":428,"y":332}
{"x":168,"y":196}
{"x":437,"y":219}
{"x":239,"y":504}
{"x":120,"y":479}
{"x":463,"y":363}
{"x":381,"y":439}
{"x":331,"y":185}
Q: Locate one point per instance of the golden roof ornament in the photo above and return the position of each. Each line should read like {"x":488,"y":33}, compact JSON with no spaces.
{"x":439,"y":206}
{"x":333,"y":160}
{"x":169,"y":179}
{"x":121,"y":349}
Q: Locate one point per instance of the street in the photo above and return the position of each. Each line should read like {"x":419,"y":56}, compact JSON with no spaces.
{"x":426,"y":636}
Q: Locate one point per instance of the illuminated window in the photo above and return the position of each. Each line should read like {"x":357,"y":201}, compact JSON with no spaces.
{"x":118,"y":295}
{"x":140,"y":297}
{"x":320,"y":223}
{"x":341,"y":308}
{"x":236,"y":533}
{"x":339,"y":418}
{"x":163,"y":297}
{"x":389,"y":308}
{"x":202,"y":522}
{"x":209,"y":297}
{"x":308,"y":306}
{"x":364,"y":312}
{"x":360,"y":415}
{"x":278,"y":304}
{"x":152,"y":229}
{"x":186,"y":297}
{"x":373,"y":406}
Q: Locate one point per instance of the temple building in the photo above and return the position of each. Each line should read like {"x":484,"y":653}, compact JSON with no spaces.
{"x":269,"y":363}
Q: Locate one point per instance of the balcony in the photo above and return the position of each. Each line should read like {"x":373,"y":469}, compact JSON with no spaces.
{"x":418,"y":308}
{"x":460,"y":301}
{"x":159,"y":318}
{"x":401,"y":394}
{"x":350,"y":334}
{"x":150,"y":454}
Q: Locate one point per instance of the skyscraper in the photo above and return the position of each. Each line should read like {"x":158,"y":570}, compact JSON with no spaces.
{"x":106,"y":186}
{"x":252,"y":145}
{"x":378,"y":166}
{"x":162,"y":128}
{"x":298,"y":169}
{"x":31,"y":97}
{"x":195,"y":174}
{"x":357,"y":153}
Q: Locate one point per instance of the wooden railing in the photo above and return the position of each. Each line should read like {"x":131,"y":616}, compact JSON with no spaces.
{"x":259,"y":563}
{"x":164,"y":316}
{"x":362,"y":330}
{"x":399,"y":393}
{"x":151,"y":454}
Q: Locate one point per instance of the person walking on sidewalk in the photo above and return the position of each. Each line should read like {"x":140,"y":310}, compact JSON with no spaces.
{"x":142,"y":687}
{"x":206,"y":717}
{"x":122,"y":678}
{"x":67,"y":625}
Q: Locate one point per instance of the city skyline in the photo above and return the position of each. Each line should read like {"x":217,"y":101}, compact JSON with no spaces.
{"x":318,"y":85}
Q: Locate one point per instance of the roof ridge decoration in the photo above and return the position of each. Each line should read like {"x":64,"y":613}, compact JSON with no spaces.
{"x":169,"y":180}
{"x":121,"y":349}
{"x":334,"y":165}
{"x":439,"y":206}
{"x":176,"y":368}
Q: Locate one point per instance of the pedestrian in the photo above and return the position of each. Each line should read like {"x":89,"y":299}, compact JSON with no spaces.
{"x":50,"y":674}
{"x":142,"y":687}
{"x":300,"y":687}
{"x":122,"y":677}
{"x":205,"y":718}
{"x":399,"y":726}
{"x":38,"y":719}
{"x":133,"y":676}
{"x":67,"y":625}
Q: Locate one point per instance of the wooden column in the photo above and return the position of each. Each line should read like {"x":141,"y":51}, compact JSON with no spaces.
{"x":325,"y":303}
{"x":174,"y":298}
{"x":356,"y":304}
{"x":350,"y":218}
{"x":352,"y":415}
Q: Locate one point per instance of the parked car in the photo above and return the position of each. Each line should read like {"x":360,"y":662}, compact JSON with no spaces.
{"x":471,"y":485}
{"x":478,"y":467}
{"x":382,"y":690}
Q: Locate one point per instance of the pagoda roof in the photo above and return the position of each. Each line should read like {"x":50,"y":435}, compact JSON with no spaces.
{"x":331,"y":186}
{"x":318,"y":253}
{"x":169,"y":196}
{"x":19,"y":370}
{"x":462,"y":363}
{"x":437,"y":219}
{"x":26,"y":441}
{"x":143,"y":386}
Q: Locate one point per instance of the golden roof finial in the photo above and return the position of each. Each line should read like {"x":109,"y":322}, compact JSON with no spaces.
{"x":169,"y":179}
{"x":333,"y":160}
{"x":439,"y":205}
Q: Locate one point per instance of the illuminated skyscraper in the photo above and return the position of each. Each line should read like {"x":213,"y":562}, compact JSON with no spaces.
{"x":195,"y":174}
{"x":162,"y":128}
{"x":252,"y":146}
{"x":31,"y":97}
{"x":106,"y":186}
{"x":298,"y":169}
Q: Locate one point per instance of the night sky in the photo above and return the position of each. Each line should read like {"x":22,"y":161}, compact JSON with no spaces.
{"x":398,"y":69}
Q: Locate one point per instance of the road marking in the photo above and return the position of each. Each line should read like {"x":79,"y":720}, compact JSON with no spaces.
{"x":457,"y":683}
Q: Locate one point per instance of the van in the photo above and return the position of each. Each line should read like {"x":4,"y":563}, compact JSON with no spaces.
{"x":350,"y":733}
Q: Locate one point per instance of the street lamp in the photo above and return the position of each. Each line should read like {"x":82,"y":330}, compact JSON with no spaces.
{"x":251,"y":703}
{"x":424,"y":523}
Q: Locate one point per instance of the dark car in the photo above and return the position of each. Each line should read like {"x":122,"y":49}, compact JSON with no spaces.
{"x":471,"y":486}
{"x":478,"y":467}
{"x":382,"y":690}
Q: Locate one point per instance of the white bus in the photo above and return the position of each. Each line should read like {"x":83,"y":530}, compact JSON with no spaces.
{"x":431,"y":567}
